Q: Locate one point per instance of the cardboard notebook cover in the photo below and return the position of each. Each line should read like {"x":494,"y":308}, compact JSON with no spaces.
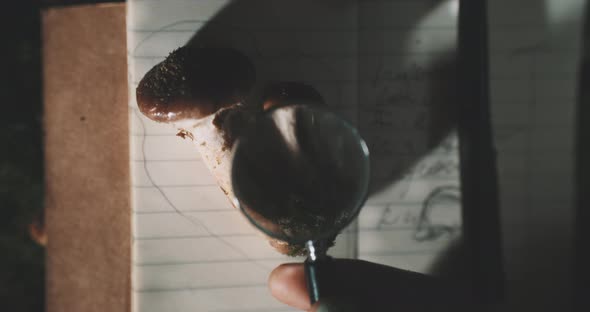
{"x":88,"y":213}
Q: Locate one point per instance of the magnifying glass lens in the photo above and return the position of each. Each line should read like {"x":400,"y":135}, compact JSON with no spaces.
{"x":300,"y":174}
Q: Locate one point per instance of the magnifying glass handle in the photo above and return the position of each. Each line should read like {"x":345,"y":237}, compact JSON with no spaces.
{"x":315,"y":273}
{"x":315,"y":269}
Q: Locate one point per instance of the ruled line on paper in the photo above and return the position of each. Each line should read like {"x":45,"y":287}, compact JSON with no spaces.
{"x":143,"y":212}
{"x":256,"y":310}
{"x":167,"y":160}
{"x":175,"y":185}
{"x":155,"y":290}
{"x":422,"y":252}
{"x":440,"y":28}
{"x":233,"y":261}
{"x":366,"y":230}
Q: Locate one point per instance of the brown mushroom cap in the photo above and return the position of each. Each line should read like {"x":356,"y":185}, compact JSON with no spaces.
{"x":192,"y":83}
{"x":285,"y":93}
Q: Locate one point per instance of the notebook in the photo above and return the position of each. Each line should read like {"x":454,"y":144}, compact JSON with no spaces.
{"x":388,"y":67}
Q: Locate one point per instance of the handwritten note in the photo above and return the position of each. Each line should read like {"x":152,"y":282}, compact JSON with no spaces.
{"x":414,"y":211}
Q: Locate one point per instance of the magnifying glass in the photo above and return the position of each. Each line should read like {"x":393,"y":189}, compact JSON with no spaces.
{"x":300,"y":174}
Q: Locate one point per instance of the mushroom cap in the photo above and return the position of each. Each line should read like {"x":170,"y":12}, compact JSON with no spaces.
{"x":195,"y":82}
{"x":278,"y":94}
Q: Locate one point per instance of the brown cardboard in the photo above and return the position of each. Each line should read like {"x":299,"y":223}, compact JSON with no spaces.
{"x":87,"y":159}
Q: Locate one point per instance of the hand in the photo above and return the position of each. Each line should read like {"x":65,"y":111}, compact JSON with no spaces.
{"x":366,"y":286}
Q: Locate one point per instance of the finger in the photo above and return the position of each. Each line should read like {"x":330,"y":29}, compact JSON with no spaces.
{"x":287,"y":284}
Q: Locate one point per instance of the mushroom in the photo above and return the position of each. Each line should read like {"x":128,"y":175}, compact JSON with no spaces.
{"x":193,"y":83}
{"x":190,"y":89}
{"x":279,"y":94}
{"x":202,"y":93}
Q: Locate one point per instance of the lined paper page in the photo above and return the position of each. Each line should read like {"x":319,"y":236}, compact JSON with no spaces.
{"x":376,"y":63}
{"x":192,"y":250}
